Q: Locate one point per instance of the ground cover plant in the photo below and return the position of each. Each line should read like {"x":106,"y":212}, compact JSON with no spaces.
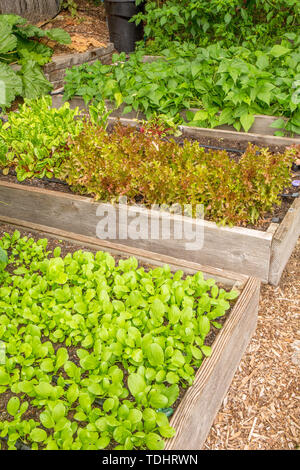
{"x":252,"y":23}
{"x":228,"y":85}
{"x":97,"y":351}
{"x":144,"y":164}
{"x":20,"y":45}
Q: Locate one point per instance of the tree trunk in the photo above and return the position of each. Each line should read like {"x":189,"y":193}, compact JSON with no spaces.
{"x":33,"y":10}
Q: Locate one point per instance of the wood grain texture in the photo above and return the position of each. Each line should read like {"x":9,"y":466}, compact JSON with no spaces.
{"x":259,"y":139}
{"x":226,"y":277}
{"x":284,"y":241}
{"x":196,"y":412}
{"x":260,"y":126}
{"x":33,"y":10}
{"x":235,"y":249}
{"x":195,"y":132}
{"x":63,"y":61}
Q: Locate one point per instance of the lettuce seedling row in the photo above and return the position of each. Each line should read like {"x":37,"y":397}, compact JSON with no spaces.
{"x":197,"y":408}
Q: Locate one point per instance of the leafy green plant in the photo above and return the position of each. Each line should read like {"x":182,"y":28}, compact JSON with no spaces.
{"x":99,"y":114}
{"x":228,"y":86}
{"x":238,"y":22}
{"x":160,"y":125}
{"x":30,"y":138}
{"x":71,"y":6}
{"x":20,"y":46}
{"x":150,"y":170}
{"x":135,"y":337}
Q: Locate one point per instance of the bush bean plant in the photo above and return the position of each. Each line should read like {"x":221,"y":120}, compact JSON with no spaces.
{"x":228,"y":85}
{"x":254,"y":23}
{"x":97,"y":350}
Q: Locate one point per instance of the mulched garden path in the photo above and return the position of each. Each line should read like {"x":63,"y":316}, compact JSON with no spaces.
{"x":261,"y":409}
{"x":88,"y":28}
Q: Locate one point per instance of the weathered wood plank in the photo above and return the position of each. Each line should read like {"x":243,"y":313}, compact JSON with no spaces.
{"x":33,"y":10}
{"x":284,"y":241}
{"x":197,"y":132}
{"x":259,"y":133}
{"x":261,"y":124}
{"x":246,"y":137}
{"x":195,"y":414}
{"x":233,"y":248}
{"x":226,"y":277}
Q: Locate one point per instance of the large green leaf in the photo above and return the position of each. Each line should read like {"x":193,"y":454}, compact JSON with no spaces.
{"x":34,"y":82}
{"x":278,"y":50}
{"x":38,"y":435}
{"x":155,"y":355}
{"x":10,"y":85}
{"x":8,"y":41}
{"x":33,"y":50}
{"x":13,"y":406}
{"x":56,"y":34}
{"x":136,"y":384}
{"x":59,"y":35}
{"x":247,"y":120}
{"x":12,"y":20}
{"x":31,"y":31}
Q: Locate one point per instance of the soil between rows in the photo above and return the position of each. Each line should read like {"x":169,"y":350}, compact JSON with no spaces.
{"x":69,"y":247}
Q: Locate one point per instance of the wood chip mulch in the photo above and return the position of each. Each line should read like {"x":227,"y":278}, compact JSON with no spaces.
{"x":261,"y":409}
{"x":88,"y":28}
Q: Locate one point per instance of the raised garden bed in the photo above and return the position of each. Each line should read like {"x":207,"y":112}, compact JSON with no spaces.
{"x":66,"y":40}
{"x":263,"y":254}
{"x":260,"y":133}
{"x":261,"y":125}
{"x":56,"y":69}
{"x":90,"y":41}
{"x":197,"y":408}
{"x":216,"y":80}
{"x":259,"y":249}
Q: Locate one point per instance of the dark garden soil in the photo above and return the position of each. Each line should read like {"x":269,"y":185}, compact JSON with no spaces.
{"x":234,"y":147}
{"x":33,"y":412}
